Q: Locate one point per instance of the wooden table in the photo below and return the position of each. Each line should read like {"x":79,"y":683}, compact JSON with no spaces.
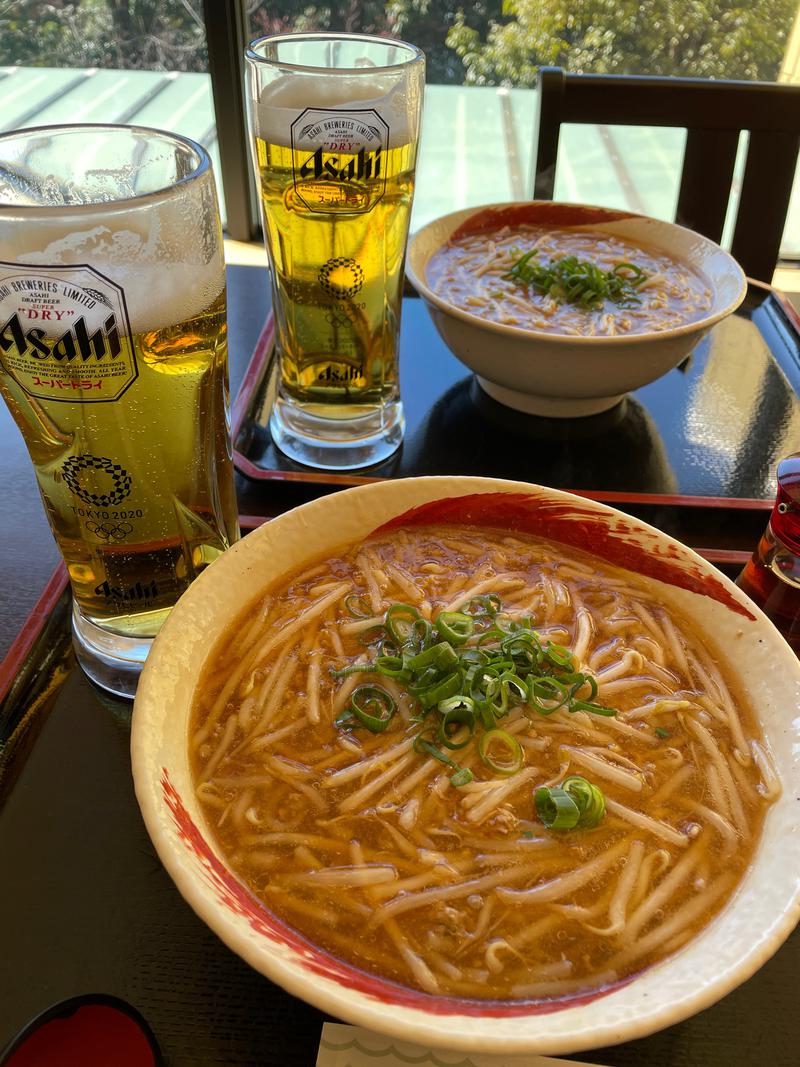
{"x":86,"y":907}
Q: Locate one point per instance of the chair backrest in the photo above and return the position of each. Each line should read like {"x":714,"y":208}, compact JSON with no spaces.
{"x":713,"y":113}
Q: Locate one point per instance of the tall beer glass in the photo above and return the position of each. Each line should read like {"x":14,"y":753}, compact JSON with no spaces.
{"x":336,"y":119}
{"x":113,"y":362}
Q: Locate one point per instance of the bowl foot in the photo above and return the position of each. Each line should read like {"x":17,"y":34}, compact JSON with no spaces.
{"x":549,"y":407}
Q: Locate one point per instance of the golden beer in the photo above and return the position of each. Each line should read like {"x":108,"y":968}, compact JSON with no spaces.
{"x":335,"y":121}
{"x":337,"y":273}
{"x":113,"y":363}
{"x":139,"y":490}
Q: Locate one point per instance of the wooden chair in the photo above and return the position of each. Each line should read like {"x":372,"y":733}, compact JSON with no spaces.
{"x":713,"y":113}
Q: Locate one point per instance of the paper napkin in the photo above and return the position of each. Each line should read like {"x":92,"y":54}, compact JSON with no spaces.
{"x":350,"y":1046}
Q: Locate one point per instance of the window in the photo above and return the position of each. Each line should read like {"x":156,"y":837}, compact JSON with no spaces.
{"x":107,"y":61}
{"x":482,"y":64}
{"x":147,"y":61}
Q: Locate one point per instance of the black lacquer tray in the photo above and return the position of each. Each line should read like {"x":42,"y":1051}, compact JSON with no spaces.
{"x":85,"y":906}
{"x":714,"y":427}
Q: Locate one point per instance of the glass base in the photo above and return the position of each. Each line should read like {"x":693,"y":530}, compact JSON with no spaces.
{"x":337,"y":444}
{"x":112,"y":661}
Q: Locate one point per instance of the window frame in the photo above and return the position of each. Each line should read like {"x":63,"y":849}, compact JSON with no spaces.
{"x":226,"y":38}
{"x":227,"y":35}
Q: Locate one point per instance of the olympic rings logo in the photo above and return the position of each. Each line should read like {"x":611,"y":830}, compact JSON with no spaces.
{"x":110,"y":531}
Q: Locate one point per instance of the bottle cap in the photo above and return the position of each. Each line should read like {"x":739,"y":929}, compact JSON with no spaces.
{"x":785,"y":519}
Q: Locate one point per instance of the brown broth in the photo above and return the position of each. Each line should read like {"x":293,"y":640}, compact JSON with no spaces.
{"x":469,"y":272}
{"x":683,"y":814}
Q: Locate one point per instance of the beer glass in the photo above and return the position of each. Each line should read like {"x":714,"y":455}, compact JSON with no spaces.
{"x":335,"y":119}
{"x":113,"y":362}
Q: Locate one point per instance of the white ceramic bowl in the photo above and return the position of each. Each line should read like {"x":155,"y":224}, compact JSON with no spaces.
{"x":749,"y":929}
{"x":557,"y":375}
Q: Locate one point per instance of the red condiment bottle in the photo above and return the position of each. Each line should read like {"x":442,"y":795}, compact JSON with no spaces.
{"x":772,"y":577}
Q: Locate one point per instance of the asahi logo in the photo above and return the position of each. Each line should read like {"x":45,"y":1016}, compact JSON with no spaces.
{"x":339,"y":159}
{"x":360,"y":168}
{"x":75,"y":343}
{"x":339,"y":374}
{"x":63,"y":333}
{"x":125,"y":594}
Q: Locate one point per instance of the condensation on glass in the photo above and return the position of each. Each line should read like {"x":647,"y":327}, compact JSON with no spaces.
{"x":113,"y":363}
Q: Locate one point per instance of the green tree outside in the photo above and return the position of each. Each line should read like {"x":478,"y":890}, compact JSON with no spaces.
{"x":698,"y":38}
{"x":492,"y":42}
{"x":123,"y":34}
{"x":423,"y":22}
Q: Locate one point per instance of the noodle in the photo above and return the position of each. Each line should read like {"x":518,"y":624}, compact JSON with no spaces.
{"x":413,"y":853}
{"x":472,"y":271}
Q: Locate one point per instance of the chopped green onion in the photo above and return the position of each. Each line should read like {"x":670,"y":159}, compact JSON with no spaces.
{"x":420,"y":634}
{"x":392,"y":667}
{"x":462,"y":775}
{"x":454,"y":626}
{"x":372,"y":634}
{"x":578,"y":281}
{"x":356,"y":668}
{"x":495,"y":697}
{"x":442,"y":656}
{"x":547,"y":695}
{"x":372,"y":706}
{"x":524,"y":649}
{"x":358,"y":606}
{"x":456,"y":711}
{"x":576,"y":803}
{"x":661,"y":732}
{"x":487,"y":604}
{"x":509,"y":761}
{"x":422,"y":744}
{"x":454,"y":702}
{"x":595,"y":709}
{"x":580,"y":680}
{"x":449,"y":686}
{"x":424,"y":680}
{"x":388,"y":647}
{"x":495,"y":633}
{"x":558,"y":656}
{"x":589,"y":798}
{"x":400,"y":620}
{"x":472,"y":667}
{"x":513,"y":687}
{"x":556,"y":808}
{"x":487,"y":717}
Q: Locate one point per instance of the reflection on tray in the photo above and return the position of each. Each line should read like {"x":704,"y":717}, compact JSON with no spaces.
{"x":465,"y":431}
{"x":716,"y":426}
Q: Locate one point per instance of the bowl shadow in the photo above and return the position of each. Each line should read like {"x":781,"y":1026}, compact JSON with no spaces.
{"x":467,"y":432}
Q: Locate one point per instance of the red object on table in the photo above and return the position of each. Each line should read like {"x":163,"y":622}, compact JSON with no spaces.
{"x":94,"y":1035}
{"x":772,"y":576}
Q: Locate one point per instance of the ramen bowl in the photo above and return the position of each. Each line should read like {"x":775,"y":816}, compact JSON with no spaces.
{"x":560,"y":375}
{"x":745,"y":933}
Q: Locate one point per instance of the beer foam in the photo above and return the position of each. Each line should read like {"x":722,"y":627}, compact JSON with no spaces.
{"x":168,"y":271}
{"x":395,"y":98}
